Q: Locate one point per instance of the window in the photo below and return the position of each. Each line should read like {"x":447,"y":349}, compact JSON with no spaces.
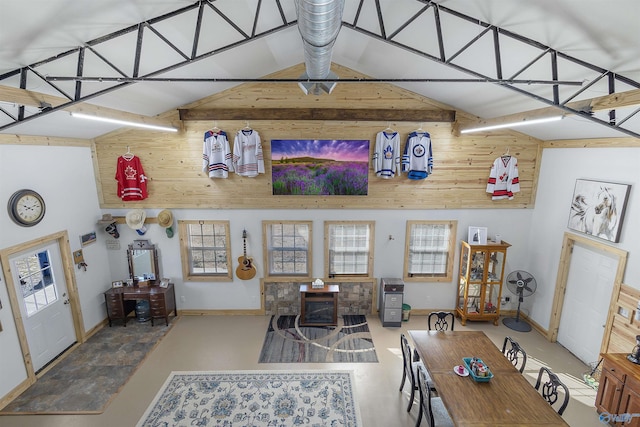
{"x":36,"y":281}
{"x":348,"y":248}
{"x":205,"y":250}
{"x":288,"y":248}
{"x":430,"y":250}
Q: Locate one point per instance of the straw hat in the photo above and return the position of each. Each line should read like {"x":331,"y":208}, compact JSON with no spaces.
{"x":106,"y":219}
{"x":135,"y":219}
{"x":165,"y":218}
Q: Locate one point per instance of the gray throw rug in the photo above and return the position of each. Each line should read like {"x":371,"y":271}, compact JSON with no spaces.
{"x":89,"y":377}
{"x":255,"y":398}
{"x":288,"y":342}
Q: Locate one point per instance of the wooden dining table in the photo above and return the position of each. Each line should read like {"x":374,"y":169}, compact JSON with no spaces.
{"x":508,"y":399}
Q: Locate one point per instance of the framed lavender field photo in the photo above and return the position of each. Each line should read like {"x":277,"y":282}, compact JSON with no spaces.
{"x":320,"y":167}
{"x":597,"y":208}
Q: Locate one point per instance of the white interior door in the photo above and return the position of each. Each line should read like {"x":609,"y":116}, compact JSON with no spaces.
{"x":44,"y":302}
{"x":586,"y":302}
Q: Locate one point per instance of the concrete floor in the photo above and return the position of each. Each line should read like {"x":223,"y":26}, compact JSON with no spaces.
{"x":206,"y":343}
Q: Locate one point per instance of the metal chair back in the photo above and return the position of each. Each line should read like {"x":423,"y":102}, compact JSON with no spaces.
{"x":514,"y":353}
{"x":551,"y":387}
{"x":441,"y":321}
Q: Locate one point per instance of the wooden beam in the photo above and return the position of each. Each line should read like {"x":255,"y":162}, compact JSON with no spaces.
{"x":606,"y":102}
{"x":338,"y":114}
{"x":35,"y":99}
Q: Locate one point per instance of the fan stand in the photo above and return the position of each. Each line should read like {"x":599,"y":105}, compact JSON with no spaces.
{"x":515,"y":323}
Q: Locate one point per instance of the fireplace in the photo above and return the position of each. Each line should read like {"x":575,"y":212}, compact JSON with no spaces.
{"x":318,"y":307}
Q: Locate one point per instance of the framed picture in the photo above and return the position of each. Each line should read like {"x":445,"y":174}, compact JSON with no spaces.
{"x":477,"y":235}
{"x":87,"y":239}
{"x":129,"y":282}
{"x":164,"y":283}
{"x":597,"y":208}
{"x":320,"y":167}
{"x":116,"y":284}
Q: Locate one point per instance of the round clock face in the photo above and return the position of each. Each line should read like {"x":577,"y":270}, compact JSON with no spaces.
{"x":26,"y":208}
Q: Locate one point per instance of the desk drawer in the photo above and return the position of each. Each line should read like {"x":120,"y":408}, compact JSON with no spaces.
{"x":157,"y":305}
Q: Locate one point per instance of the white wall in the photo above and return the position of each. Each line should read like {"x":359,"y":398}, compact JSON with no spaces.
{"x":560,"y":169}
{"x":388,"y":254}
{"x":64,"y":177}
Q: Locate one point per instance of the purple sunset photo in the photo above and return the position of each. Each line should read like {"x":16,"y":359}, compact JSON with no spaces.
{"x":320,"y":167}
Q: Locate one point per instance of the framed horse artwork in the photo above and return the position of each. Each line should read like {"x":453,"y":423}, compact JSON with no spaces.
{"x":597,"y":208}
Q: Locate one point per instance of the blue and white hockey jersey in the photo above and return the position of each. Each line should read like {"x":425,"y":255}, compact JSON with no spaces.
{"x":417,"y":159}
{"x":247,"y":153}
{"x":216,"y":154}
{"x":386,"y":156}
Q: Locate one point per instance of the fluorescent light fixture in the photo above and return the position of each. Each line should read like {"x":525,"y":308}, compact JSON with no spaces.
{"x":514,"y":124}
{"x":122,"y":122}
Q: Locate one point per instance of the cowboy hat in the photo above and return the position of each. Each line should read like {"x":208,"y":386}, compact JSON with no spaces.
{"x":106,"y":219}
{"x":165,"y":218}
{"x":135,"y":219}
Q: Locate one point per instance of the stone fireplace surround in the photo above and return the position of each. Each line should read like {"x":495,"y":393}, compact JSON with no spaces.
{"x":283,"y":298}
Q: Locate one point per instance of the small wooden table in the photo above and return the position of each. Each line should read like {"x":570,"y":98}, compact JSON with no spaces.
{"x":319,"y":306}
{"x":507,"y":400}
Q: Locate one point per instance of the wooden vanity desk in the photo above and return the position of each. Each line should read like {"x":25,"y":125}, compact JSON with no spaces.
{"x":121,"y":301}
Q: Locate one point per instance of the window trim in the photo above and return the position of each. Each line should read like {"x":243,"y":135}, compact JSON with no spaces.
{"x":184,"y":252}
{"x":266,"y":253}
{"x":448,"y":277}
{"x":370,"y":257}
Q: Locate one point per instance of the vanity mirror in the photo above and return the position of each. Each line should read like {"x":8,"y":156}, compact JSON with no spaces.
{"x":143,"y":261}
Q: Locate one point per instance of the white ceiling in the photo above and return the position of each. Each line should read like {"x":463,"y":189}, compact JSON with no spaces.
{"x":605,"y":34}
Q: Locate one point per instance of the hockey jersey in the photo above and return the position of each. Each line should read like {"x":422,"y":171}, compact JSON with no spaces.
{"x":417,"y":159}
{"x":132,"y":182}
{"x":386,"y":156}
{"x":247,"y":153}
{"x":217,"y":160}
{"x":503,"y":179}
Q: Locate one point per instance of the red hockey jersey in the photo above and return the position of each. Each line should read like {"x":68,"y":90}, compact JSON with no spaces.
{"x":132,"y":182}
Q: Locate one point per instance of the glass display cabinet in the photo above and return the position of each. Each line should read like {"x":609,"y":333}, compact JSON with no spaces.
{"x":480,"y":281}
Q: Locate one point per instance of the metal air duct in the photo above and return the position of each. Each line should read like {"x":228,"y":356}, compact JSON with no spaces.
{"x":319,"y":23}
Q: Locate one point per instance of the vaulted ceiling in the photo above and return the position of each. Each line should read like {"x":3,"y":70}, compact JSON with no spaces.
{"x":500,"y":60}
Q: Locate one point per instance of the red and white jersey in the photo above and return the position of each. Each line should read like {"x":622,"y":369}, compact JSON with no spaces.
{"x":217,"y":160}
{"x":386,"y":157}
{"x":247,"y":153}
{"x":132,"y":182}
{"x":503,"y":178}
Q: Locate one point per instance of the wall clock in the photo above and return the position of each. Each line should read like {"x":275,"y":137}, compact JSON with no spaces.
{"x":26,"y":208}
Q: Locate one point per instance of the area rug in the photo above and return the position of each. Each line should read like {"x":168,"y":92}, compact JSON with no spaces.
{"x":255,"y":398}
{"x":86,"y":380}
{"x":288,"y":342}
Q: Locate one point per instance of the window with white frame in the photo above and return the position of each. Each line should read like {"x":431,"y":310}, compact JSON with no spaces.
{"x":430,"y":250}
{"x":288,"y":248}
{"x":349,"y":248}
{"x":205,"y":250}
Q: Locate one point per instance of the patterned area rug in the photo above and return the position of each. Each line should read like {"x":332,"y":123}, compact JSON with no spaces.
{"x":255,"y":398}
{"x":90,"y":376}
{"x":288,"y":342}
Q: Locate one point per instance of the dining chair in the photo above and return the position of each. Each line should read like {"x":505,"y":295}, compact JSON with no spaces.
{"x":442,"y":321}
{"x":431,"y":406}
{"x":514,"y":353}
{"x":411,"y":365}
{"x":550,"y":388}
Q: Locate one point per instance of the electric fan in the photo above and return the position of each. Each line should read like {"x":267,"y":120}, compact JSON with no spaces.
{"x":522,"y":284}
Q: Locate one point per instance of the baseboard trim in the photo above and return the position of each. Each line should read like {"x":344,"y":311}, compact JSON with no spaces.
{"x":256,"y":312}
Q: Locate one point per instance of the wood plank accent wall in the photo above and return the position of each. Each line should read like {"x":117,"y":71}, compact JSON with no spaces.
{"x":173,"y":162}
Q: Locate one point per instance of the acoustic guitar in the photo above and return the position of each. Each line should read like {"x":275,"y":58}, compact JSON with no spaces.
{"x":245,"y":270}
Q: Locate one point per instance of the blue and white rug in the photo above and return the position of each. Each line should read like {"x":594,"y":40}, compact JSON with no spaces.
{"x":255,"y":398}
